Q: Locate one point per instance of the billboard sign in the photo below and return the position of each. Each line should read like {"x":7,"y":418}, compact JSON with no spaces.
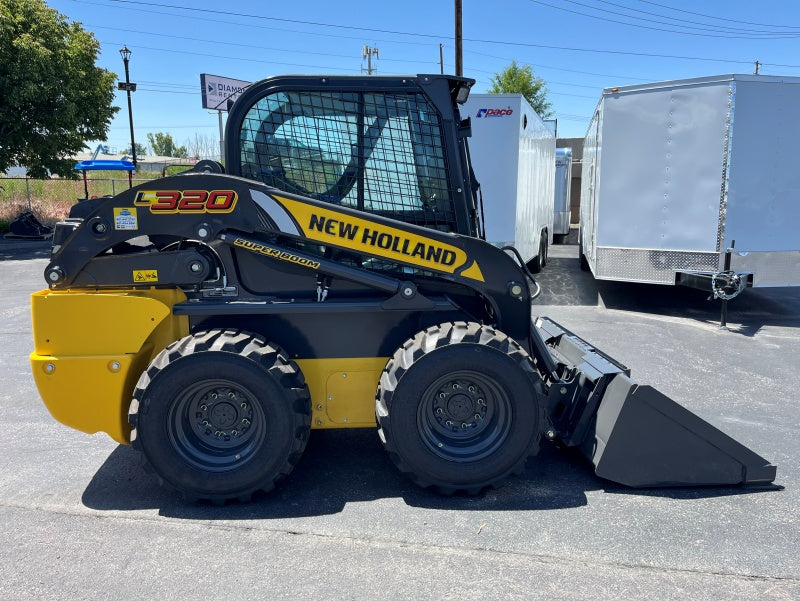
{"x":218,"y":90}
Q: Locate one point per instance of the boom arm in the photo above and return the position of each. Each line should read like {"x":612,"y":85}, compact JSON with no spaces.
{"x":225,"y":216}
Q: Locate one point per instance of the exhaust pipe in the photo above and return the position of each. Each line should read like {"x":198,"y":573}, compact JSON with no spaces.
{"x":635,"y":435}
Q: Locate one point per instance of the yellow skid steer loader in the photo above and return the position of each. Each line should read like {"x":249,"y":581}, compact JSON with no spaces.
{"x":335,"y":277}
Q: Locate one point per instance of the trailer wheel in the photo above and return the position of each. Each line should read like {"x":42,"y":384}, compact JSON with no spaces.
{"x":220,"y":415}
{"x":540,"y":260}
{"x":458,"y":408}
{"x":582,"y":257}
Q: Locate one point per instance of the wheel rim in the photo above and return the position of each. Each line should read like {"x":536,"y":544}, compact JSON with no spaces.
{"x":216,"y":425}
{"x":464,"y":416}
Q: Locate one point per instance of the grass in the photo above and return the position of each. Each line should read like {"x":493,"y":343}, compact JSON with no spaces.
{"x":51,"y":199}
{"x":47,"y":212}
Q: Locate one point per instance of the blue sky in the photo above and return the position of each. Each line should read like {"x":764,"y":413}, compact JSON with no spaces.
{"x":577,"y":46}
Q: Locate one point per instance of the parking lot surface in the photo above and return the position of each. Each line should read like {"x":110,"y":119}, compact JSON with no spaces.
{"x":81,"y":519}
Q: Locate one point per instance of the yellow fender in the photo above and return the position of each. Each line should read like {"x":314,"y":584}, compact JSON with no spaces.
{"x":91,"y":347}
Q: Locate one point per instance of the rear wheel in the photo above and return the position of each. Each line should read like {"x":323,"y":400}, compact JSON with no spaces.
{"x":458,"y":408}
{"x":220,"y":415}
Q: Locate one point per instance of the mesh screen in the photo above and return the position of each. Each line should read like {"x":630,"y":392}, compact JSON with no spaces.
{"x":381,"y":153}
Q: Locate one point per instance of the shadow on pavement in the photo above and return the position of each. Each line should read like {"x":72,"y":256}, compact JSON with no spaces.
{"x":20,"y":250}
{"x":349,"y":466}
{"x":565,"y":284}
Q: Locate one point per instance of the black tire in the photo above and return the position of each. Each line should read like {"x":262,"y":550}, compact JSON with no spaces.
{"x":458,"y":408}
{"x":544,"y":250}
{"x":540,"y":260}
{"x":582,"y":257}
{"x":220,"y":415}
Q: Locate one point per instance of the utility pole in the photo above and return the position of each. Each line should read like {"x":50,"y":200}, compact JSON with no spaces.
{"x":459,"y":49}
{"x":367,"y":53}
{"x":441,"y":59}
{"x":757,"y":66}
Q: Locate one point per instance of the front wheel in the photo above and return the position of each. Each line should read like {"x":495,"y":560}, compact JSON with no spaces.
{"x":458,"y":408}
{"x":220,"y":415}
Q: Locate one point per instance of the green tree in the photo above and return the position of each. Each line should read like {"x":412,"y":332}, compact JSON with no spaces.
{"x":140,"y":150}
{"x":53,"y":99}
{"x":163,"y":145}
{"x":521,"y":80}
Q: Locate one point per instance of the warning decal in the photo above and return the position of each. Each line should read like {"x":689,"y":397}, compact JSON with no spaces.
{"x":145,"y":276}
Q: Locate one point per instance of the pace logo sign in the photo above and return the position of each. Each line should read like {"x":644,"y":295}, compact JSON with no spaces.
{"x":486,"y":113}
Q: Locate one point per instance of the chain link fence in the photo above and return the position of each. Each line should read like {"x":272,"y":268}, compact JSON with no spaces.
{"x":51,"y":199}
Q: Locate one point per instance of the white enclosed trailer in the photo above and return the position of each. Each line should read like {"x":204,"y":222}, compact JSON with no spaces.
{"x":513,"y":155}
{"x":563,"y":188}
{"x":676,"y":173}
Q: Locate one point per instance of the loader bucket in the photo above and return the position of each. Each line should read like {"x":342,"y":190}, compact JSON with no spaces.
{"x":635,"y":435}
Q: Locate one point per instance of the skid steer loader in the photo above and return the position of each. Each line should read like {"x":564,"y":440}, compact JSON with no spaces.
{"x":336,"y":277}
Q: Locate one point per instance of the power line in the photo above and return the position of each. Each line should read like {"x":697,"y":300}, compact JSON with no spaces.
{"x":583,"y":14}
{"x":537,"y":65}
{"x":233,"y":58}
{"x":279,"y":19}
{"x":250,"y":25}
{"x":721,"y":27}
{"x":236,"y":44}
{"x":716,"y":16}
{"x":214,"y":127}
{"x":432,"y":36}
{"x":750,"y":33}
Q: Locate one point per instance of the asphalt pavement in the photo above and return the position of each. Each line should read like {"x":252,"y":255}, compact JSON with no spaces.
{"x":80,"y":518}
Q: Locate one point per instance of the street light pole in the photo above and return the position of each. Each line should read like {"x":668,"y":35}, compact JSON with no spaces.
{"x":129,"y":87}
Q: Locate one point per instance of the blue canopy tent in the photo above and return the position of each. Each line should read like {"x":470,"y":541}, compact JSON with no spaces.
{"x":105,"y":165}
